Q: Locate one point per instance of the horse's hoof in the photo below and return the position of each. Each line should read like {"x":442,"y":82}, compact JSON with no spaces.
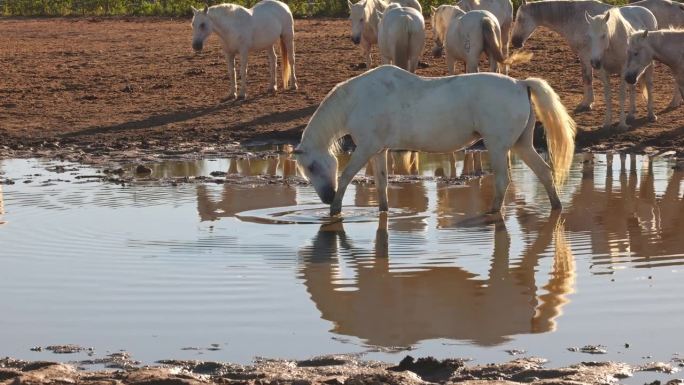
{"x":631,"y":117}
{"x":652,"y":118}
{"x":623,"y":126}
{"x":584,"y":107}
{"x":273,"y":90}
{"x":334,"y":211}
{"x":555,"y":206}
{"x":242,"y":97}
{"x":674,"y":104}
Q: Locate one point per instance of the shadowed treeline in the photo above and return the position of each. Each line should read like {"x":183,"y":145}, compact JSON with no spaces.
{"x":300,"y":8}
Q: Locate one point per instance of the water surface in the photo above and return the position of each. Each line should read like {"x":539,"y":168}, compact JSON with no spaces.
{"x":260,"y":270}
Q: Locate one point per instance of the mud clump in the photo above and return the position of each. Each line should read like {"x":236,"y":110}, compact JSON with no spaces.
{"x":429,"y":368}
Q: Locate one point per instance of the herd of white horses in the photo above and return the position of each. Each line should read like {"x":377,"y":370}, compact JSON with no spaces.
{"x":390,"y":108}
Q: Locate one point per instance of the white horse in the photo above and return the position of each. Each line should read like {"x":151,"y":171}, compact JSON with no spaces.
{"x":389,"y":108}
{"x":666,"y":46}
{"x":242,"y":30}
{"x":501,"y":9}
{"x":668,"y":14}
{"x":401,"y":37}
{"x":466,"y":35}
{"x":565,"y":17}
{"x":365,"y":17}
{"x":608,"y":34}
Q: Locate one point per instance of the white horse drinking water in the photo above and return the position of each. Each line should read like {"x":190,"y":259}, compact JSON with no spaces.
{"x":389,"y":108}
{"x":242,"y":30}
{"x":401,"y":37}
{"x":466,"y":35}
{"x":666,"y":46}
{"x":608,"y":34}
{"x":365,"y":18}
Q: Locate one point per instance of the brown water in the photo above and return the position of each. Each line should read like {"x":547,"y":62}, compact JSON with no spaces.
{"x":260,"y":270}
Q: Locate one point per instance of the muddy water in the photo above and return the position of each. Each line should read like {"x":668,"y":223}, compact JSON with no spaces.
{"x":257,"y":269}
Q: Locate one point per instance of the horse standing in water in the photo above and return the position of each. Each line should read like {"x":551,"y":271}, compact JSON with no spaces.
{"x":666,"y":46}
{"x":365,"y":17}
{"x":389,"y":108}
{"x":608,"y":34}
{"x":242,"y":30}
{"x":401,"y":37}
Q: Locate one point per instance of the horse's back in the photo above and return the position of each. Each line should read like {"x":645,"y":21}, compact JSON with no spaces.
{"x":267,"y":10}
{"x":667,"y":13}
{"x":639,"y":17}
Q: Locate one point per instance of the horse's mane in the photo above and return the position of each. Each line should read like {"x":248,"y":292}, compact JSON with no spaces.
{"x":555,"y":11}
{"x":226,"y":8}
{"x":326,"y":126}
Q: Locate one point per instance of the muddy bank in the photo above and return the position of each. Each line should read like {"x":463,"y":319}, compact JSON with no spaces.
{"x":330,"y":370}
{"x":132,"y":89}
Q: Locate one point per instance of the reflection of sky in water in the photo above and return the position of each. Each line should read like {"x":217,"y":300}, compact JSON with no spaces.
{"x":155,"y":269}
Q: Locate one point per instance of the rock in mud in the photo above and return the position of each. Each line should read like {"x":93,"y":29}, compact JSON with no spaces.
{"x":66,"y":349}
{"x":429,"y":368}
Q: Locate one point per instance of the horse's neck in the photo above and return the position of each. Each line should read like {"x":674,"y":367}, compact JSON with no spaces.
{"x":563,"y":19}
{"x":328,"y":123}
{"x":618,"y":32}
{"x":221,"y":18}
{"x":659,"y":45}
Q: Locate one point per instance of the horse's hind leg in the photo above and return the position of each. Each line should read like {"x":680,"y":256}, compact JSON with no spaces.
{"x":500,"y":162}
{"x":606,"y":98}
{"x":359,"y":158}
{"x":289,"y":46}
{"x":524,"y":148}
{"x":648,"y":77}
{"x":587,"y":102}
{"x":380,"y":168}
{"x":243,"y":75}
{"x":273,"y":68}
{"x":232,"y":80}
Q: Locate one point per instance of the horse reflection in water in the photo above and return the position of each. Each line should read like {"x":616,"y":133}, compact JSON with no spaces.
{"x":237,"y":198}
{"x":399,"y":308}
{"x":2,"y":207}
{"x":625,"y":217}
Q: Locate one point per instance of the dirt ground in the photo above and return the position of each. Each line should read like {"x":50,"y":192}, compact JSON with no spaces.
{"x":107,"y":85}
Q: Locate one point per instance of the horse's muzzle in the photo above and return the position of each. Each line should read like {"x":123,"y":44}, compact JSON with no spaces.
{"x":356,"y":40}
{"x":197,"y":46}
{"x":327,"y":195}
{"x":631,"y":78}
{"x":516,"y":42}
{"x":596,"y":64}
{"x":437,"y":51}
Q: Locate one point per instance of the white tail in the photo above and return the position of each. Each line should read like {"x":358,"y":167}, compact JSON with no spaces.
{"x":286,"y":69}
{"x":402,"y":48}
{"x":558,"y":124}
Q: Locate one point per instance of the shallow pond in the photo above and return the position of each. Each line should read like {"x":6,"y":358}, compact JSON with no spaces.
{"x":257,"y":269}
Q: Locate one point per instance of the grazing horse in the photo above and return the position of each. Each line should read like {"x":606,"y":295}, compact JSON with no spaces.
{"x":565,"y":17}
{"x":466,"y":35}
{"x":666,"y":46}
{"x":502,"y":10}
{"x":608,"y":34}
{"x":242,"y":30}
{"x":389,"y":108}
{"x":668,"y":14}
{"x":365,"y":17}
{"x":401,"y":37}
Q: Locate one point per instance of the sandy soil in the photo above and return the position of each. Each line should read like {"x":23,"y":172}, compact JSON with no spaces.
{"x":106,"y":85}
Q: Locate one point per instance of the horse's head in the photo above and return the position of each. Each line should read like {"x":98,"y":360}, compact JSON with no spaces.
{"x":524,"y":25}
{"x":598,"y":37}
{"x":201,"y":27}
{"x":639,"y":56}
{"x":320,"y":168}
{"x":359,"y":14}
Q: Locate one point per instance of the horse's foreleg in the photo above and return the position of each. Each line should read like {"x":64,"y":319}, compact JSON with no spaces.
{"x":587,"y":102}
{"x":622,"y":124}
{"x":450,"y":64}
{"x":243,"y":75}
{"x":366,"y":48}
{"x":505,"y":39}
{"x":472,"y":65}
{"x":359,"y":158}
{"x":648,"y":78}
{"x":606,"y":97}
{"x":632,"y":101}
{"x":272,"y":67}
{"x":232,"y":80}
{"x":493,"y":65}
{"x":380,"y":167}
{"x":678,"y":92}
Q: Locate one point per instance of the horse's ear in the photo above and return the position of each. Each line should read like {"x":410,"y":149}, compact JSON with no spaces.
{"x":349,"y":4}
{"x":206,"y":8}
{"x":433,"y":9}
{"x":587,"y":16}
{"x":194,"y":10}
{"x":605,"y":18}
{"x":523,"y":2}
{"x":645,"y":34}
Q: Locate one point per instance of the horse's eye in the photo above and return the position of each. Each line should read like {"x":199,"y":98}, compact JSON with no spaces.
{"x":636,"y":53}
{"x":202,"y":25}
{"x":361,"y":20}
{"x":312,"y":167}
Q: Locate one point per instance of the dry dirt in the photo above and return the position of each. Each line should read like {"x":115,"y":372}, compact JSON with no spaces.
{"x":103,"y":86}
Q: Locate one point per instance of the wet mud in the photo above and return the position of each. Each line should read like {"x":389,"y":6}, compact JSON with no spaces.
{"x":330,"y":370}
